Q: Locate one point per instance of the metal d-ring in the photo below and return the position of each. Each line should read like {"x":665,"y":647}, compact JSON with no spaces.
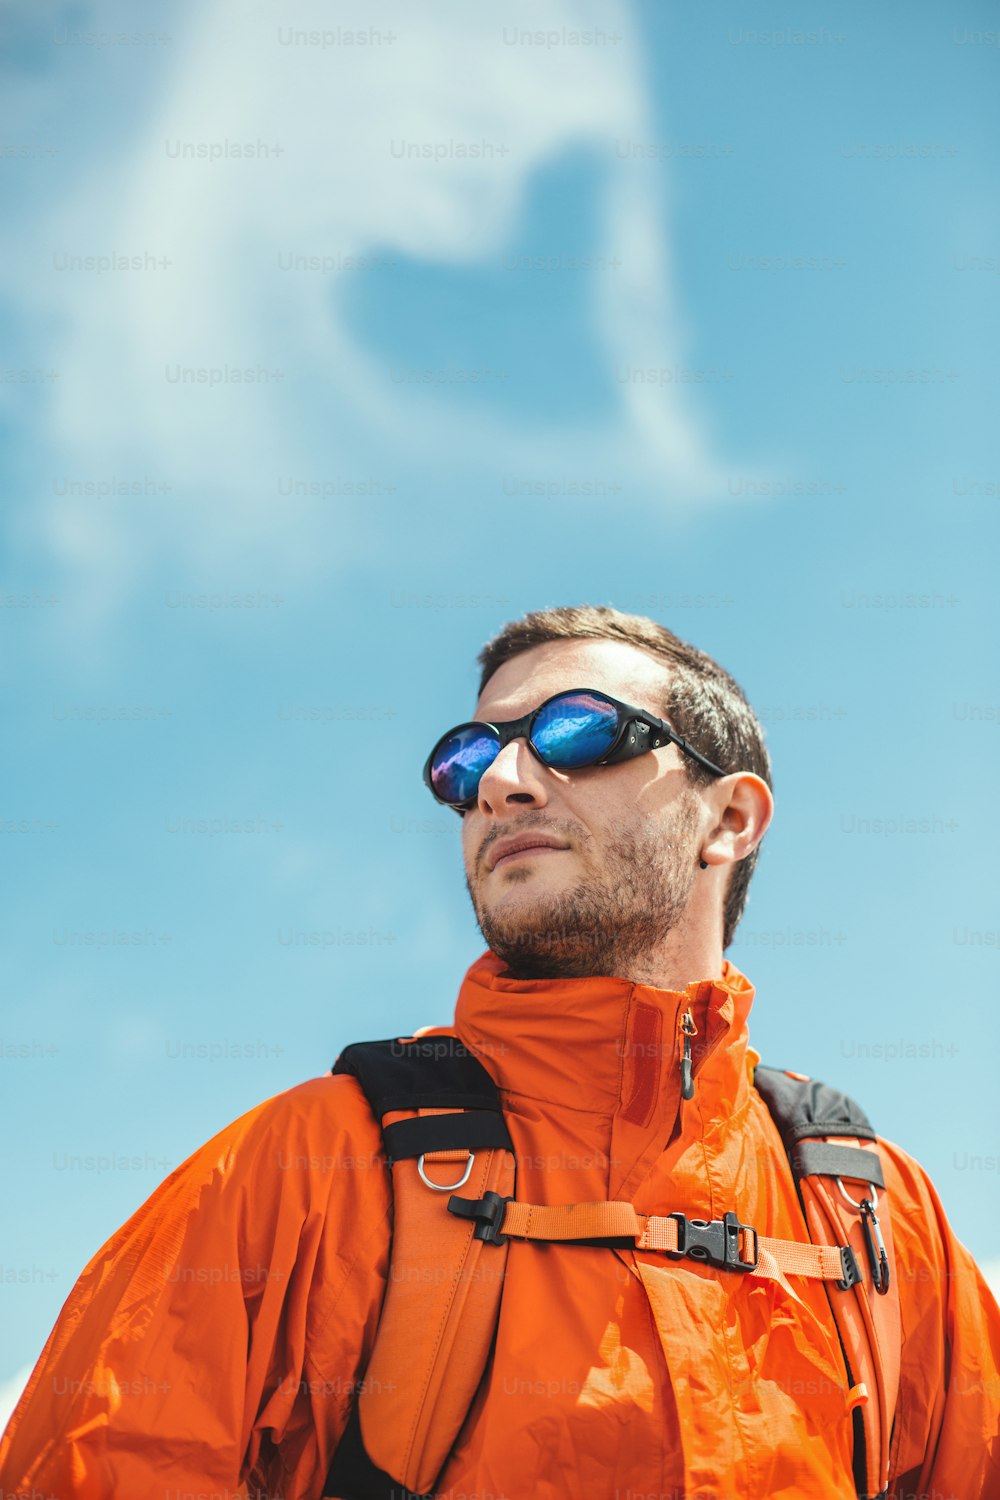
{"x":448,"y":1187}
{"x":853,"y":1203}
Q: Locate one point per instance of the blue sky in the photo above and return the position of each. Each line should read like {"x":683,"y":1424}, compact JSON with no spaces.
{"x":693,"y":318}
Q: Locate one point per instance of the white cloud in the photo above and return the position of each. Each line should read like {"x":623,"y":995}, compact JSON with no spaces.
{"x":338,"y":114}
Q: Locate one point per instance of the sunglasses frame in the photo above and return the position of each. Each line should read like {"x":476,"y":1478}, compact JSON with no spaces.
{"x":637,"y":732}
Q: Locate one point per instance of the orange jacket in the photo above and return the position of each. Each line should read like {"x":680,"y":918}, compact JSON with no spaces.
{"x":212,"y":1347}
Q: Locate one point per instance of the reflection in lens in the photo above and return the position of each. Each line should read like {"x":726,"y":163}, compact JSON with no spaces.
{"x":460,"y":761}
{"x":575,"y":730}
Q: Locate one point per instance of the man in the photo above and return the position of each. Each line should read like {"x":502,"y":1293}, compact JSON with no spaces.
{"x":217,"y":1343}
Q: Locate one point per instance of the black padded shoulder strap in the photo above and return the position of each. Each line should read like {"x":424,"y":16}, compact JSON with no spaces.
{"x":432,"y":1072}
{"x":803,"y":1107}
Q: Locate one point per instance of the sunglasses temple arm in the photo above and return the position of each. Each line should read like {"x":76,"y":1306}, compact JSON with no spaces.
{"x":695,"y":754}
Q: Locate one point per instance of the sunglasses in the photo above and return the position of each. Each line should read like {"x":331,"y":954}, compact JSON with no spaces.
{"x":567,"y":732}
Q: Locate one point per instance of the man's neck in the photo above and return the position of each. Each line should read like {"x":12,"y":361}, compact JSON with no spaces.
{"x":673,"y":970}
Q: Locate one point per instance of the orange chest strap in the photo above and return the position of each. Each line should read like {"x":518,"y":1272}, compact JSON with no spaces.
{"x":725,"y":1242}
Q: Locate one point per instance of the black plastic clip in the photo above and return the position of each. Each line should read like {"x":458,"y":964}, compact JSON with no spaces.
{"x":875,"y":1245}
{"x":717,"y":1242}
{"x":489,"y":1210}
{"x":850,"y":1267}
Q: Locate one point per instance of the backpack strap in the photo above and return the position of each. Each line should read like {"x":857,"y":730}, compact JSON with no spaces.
{"x":838,"y":1177}
{"x":442,"y":1128}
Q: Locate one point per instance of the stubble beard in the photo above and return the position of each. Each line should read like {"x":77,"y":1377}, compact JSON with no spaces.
{"x":609,"y":924}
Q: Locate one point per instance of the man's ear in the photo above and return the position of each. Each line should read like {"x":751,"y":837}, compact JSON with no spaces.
{"x":743,"y":807}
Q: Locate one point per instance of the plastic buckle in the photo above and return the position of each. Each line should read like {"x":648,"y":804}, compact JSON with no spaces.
{"x":717,"y":1242}
{"x":489,"y":1210}
{"x":850,"y":1267}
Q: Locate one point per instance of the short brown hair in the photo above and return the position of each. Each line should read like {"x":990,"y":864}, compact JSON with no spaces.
{"x":702,"y":702}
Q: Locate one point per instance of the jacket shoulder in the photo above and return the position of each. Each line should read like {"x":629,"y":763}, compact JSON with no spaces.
{"x":334,"y":1102}
{"x":913,"y":1196}
{"x":316,"y":1126}
{"x":303,"y":1144}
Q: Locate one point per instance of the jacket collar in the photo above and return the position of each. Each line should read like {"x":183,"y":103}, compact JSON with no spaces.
{"x":611,"y":1048}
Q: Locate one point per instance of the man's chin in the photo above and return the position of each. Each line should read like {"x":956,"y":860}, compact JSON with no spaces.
{"x":540,"y":927}
{"x":521,"y":907}
{"x":532,"y":950}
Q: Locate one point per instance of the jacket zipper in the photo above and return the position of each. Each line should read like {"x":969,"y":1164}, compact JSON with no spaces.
{"x":688,"y":1030}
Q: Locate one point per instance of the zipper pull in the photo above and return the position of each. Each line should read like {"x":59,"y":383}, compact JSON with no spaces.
{"x":688,"y":1029}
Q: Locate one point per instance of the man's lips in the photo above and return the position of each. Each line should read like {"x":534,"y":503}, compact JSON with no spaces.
{"x":505,"y":859}
{"x":508,"y":849}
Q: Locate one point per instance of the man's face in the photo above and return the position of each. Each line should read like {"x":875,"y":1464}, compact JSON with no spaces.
{"x":610,"y":897}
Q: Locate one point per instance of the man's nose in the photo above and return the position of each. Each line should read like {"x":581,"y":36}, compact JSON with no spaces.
{"x":516,"y":776}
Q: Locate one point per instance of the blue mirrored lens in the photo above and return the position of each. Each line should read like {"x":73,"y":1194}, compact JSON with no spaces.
{"x":460,"y":761}
{"x":575,"y":730}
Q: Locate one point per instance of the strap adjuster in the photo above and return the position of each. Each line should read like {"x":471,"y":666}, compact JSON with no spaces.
{"x":489,"y":1210}
{"x":852,"y":1271}
{"x":716,"y":1241}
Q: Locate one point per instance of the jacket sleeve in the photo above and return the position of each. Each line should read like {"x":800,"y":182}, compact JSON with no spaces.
{"x":230,"y":1315}
{"x":947,"y":1434}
